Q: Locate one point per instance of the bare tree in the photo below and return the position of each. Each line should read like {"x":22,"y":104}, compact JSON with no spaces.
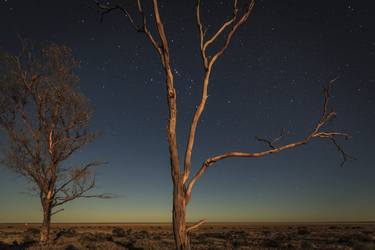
{"x":183,"y":180}
{"x":46,"y":120}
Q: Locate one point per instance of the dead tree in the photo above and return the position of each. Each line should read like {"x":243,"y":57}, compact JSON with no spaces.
{"x":183,"y":180}
{"x":46,"y":120}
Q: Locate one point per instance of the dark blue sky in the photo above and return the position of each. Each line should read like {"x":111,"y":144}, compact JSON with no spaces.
{"x":270,"y":78}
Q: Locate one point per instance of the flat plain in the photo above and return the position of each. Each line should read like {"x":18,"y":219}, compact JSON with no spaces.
{"x":209,"y":236}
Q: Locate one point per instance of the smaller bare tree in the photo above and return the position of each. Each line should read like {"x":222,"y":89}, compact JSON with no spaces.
{"x":46,"y":120}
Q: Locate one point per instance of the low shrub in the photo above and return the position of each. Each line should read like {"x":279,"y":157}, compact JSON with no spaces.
{"x":303,"y":231}
{"x":306,"y":245}
{"x":143,"y":234}
{"x":270,"y":243}
{"x":97,"y":237}
{"x":364,"y":246}
{"x":156,"y":237}
{"x":345,"y":240}
{"x":71,"y":247}
{"x":33,"y":231}
{"x":266,"y":233}
{"x":118,"y":232}
{"x":69,"y":233}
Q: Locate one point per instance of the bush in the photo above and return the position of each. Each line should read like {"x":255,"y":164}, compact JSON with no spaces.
{"x":142,"y":235}
{"x":33,"y":231}
{"x":71,"y":247}
{"x":270,"y":243}
{"x":28,"y":238}
{"x":70,"y":232}
{"x":103,"y":237}
{"x":30,"y":235}
{"x":361,"y":237}
{"x":306,"y":245}
{"x":266,"y":233}
{"x":156,"y":237}
{"x":97,"y":237}
{"x":303,"y":231}
{"x":118,"y":232}
{"x":345,"y":240}
{"x":364,"y":246}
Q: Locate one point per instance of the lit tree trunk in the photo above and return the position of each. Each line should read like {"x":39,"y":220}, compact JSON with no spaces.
{"x":179,"y":218}
{"x":46,"y":225}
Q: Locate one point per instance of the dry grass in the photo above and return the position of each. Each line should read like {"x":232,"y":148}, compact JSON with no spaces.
{"x":210,"y":236}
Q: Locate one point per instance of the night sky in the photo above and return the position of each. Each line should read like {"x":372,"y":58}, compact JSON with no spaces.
{"x":271,"y":77}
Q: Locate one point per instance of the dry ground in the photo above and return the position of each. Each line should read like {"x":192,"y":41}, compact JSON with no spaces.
{"x":209,"y":236}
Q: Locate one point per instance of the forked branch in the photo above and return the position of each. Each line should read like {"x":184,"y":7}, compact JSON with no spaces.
{"x":143,"y":27}
{"x":77,"y":175}
{"x":270,"y":143}
{"x":327,"y":115}
{"x":78,"y":190}
{"x":231,"y":26}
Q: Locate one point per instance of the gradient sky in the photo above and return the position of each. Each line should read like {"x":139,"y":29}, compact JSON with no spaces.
{"x":270,"y":78}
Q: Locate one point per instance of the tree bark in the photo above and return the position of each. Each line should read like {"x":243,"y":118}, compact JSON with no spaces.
{"x":45,"y":230}
{"x":181,"y":236}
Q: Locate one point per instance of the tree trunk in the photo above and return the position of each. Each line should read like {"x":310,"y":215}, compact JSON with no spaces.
{"x":45,"y":230}
{"x":179,"y":218}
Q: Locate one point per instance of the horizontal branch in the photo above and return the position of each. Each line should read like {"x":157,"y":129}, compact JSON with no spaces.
{"x":315,"y":133}
{"x":62,"y":200}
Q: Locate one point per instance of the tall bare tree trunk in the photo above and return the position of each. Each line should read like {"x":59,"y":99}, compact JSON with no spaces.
{"x":210,"y":50}
{"x":179,"y":217}
{"x":46,"y":225}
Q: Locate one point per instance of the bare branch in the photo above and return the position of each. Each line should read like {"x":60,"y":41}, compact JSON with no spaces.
{"x":78,"y":174}
{"x":195,"y":226}
{"x":57,"y":211}
{"x":78,"y":190}
{"x":233,"y":30}
{"x":315,"y":133}
{"x":208,"y":64}
{"x":271,"y":144}
{"x":201,"y":34}
{"x":346,"y":157}
{"x":105,"y":9}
